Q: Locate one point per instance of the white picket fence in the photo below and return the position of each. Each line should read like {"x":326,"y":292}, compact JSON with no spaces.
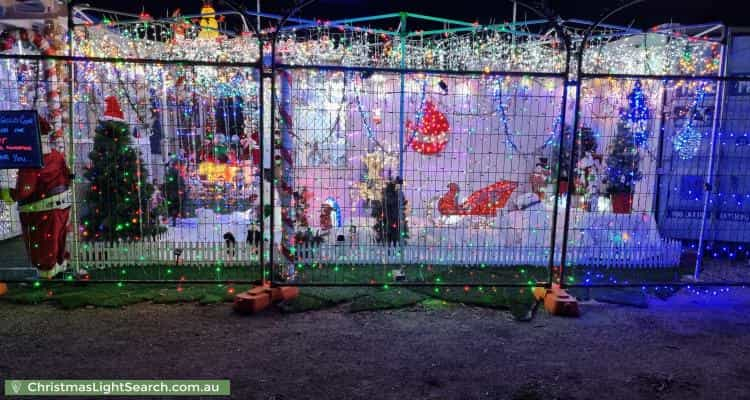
{"x":649,"y":256}
{"x":103,"y":255}
{"x":117,"y":254}
{"x":664,"y":255}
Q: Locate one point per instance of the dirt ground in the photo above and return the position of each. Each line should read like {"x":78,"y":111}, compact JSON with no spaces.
{"x":688,"y":347}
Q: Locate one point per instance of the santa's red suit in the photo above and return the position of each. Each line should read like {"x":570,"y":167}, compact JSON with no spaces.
{"x":44,"y":201}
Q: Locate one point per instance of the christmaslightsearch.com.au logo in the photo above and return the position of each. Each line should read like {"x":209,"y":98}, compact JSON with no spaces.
{"x":117,"y":388}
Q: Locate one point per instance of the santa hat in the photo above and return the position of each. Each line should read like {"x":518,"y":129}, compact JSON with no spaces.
{"x":113,"y":112}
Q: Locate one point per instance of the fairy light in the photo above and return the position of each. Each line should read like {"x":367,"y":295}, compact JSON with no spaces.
{"x":688,"y":140}
{"x":483,"y":50}
{"x":637,"y":116}
{"x":499,"y":85}
{"x":480,"y":51}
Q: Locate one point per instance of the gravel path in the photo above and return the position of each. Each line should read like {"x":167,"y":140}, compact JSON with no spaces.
{"x":689,"y":347}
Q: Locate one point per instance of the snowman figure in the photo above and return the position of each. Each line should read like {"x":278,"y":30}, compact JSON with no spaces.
{"x":595,"y":179}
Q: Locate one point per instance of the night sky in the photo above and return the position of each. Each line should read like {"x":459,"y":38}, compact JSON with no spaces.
{"x":651,"y":13}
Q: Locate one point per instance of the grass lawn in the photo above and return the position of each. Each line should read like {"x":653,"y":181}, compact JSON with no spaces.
{"x":69,"y":296}
{"x":384,"y":274}
{"x":482,"y":275}
{"x":384,"y":294}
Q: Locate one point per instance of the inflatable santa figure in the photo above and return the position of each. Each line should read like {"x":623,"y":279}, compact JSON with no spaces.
{"x":44,"y":200}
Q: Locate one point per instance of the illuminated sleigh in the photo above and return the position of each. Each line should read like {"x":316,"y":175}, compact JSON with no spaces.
{"x":484,"y":202}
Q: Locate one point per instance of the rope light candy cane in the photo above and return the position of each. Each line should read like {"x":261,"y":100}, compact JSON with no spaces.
{"x":284,"y":171}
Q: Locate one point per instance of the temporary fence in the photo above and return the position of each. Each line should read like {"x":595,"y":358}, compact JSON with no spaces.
{"x":457,"y":157}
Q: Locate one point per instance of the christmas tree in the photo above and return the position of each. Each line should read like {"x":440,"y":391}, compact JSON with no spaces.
{"x":118,"y":202}
{"x":586,"y":142}
{"x":390,"y":214}
{"x":175,"y":191}
{"x":560,"y":162}
{"x":622,"y":161}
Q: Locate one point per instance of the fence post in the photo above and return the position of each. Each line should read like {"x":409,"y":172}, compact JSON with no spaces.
{"x":718,"y":115}
{"x":71,"y":142}
{"x":556,"y":202}
{"x":285,"y":173}
{"x":401,"y":127}
{"x":262,"y":149}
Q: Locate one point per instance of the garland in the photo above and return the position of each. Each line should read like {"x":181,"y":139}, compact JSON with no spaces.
{"x":420,"y":114}
{"x":363,"y":117}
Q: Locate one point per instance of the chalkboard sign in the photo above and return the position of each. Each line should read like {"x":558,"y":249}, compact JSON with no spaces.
{"x":20,"y":143}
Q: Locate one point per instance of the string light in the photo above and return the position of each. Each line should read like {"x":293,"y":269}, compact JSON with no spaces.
{"x":480,"y":51}
{"x":501,"y":110}
{"x":637,"y":116}
{"x":483,"y":50}
{"x":687,"y":141}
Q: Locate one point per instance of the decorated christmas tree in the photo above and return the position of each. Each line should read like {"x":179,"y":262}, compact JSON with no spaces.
{"x":622,"y":162}
{"x":560,"y":161}
{"x":586,"y":142}
{"x":390,"y":214}
{"x":623,"y":158}
{"x":118,"y":202}
{"x":175,"y":191}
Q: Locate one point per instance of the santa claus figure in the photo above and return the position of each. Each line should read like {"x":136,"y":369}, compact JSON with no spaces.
{"x":44,"y":200}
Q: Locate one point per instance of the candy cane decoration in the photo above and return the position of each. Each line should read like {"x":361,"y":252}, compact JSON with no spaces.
{"x":284,"y":173}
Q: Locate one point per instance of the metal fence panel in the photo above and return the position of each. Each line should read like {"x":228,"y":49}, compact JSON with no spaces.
{"x":727,"y":232}
{"x":380,"y":175}
{"x":173,"y":195}
{"x":639,"y":167}
{"x":422,"y":177}
{"x":194,"y":132}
